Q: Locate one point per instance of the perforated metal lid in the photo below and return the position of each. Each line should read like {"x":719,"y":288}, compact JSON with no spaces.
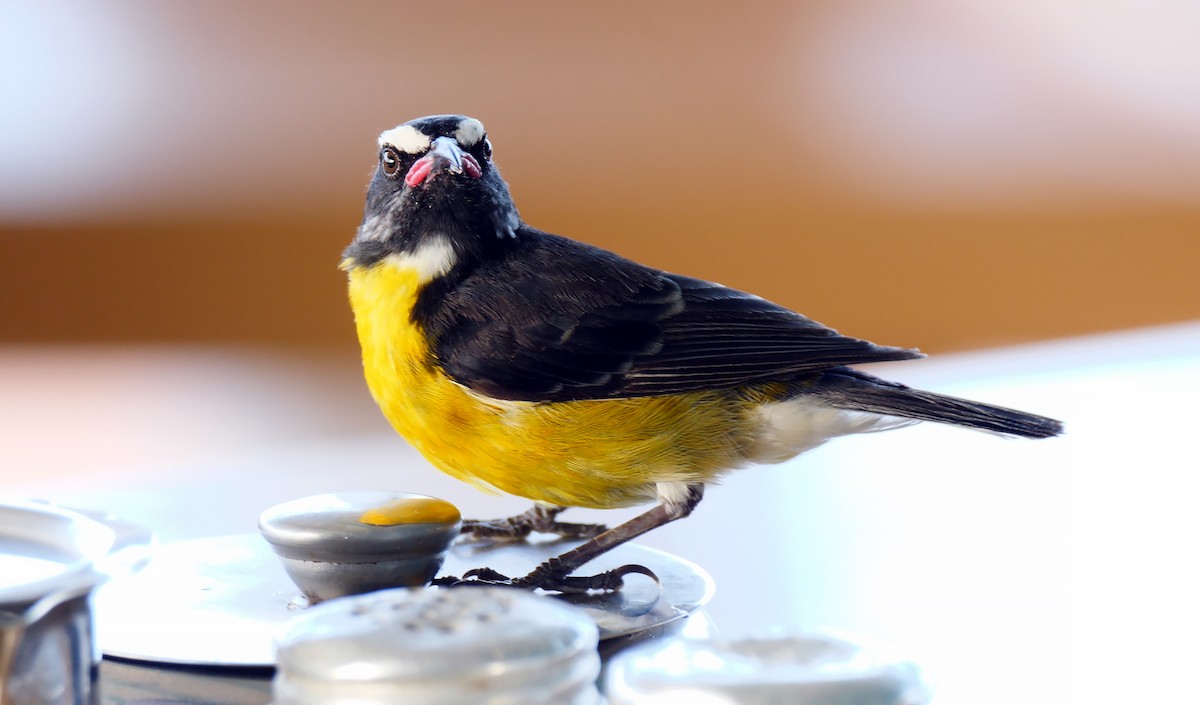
{"x":478,"y":645}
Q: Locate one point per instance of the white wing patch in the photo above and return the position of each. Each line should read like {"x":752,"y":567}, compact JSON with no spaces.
{"x":407,"y":139}
{"x":469,"y":132}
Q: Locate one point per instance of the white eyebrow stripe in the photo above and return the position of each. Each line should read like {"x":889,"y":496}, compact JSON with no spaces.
{"x":406,"y":138}
{"x":469,"y":132}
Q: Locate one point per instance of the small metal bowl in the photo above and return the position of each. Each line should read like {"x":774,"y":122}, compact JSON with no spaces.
{"x":348,"y":543}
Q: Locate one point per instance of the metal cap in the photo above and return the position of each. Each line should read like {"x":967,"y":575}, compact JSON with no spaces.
{"x":809,"y":669}
{"x":478,"y":645}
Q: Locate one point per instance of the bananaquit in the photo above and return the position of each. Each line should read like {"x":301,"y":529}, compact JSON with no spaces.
{"x":532,"y":364}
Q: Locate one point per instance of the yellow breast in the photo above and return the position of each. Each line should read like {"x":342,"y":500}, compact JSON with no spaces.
{"x":603,"y":453}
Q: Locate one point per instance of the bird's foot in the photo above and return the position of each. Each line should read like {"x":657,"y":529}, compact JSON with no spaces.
{"x":550,"y":577}
{"x":540,"y":518}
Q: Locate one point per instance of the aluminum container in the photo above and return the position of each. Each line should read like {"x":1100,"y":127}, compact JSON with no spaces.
{"x":51,"y":559}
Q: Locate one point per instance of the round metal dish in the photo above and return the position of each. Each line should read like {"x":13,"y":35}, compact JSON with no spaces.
{"x":222,"y":601}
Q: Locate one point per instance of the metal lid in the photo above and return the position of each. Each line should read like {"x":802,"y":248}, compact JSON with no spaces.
{"x":45,"y":549}
{"x":809,"y":669}
{"x":434,"y":646}
{"x":363,"y":526}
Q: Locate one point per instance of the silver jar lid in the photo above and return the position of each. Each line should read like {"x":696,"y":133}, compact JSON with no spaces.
{"x":434,"y":647}
{"x":44,"y":548}
{"x":347,"y":543}
{"x":808,"y":669}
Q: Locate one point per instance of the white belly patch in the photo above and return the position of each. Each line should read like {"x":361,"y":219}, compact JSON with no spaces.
{"x":788,"y":428}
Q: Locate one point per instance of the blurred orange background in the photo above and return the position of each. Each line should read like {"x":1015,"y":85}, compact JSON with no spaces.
{"x":931,"y":173}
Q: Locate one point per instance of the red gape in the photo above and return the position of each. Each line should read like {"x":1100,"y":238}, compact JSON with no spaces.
{"x":423,"y":166}
{"x":416,"y":175}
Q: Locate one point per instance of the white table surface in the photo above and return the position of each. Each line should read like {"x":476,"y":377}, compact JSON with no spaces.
{"x":1014,"y":571}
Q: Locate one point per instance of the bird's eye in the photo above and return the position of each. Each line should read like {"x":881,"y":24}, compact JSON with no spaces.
{"x":486,"y":148}
{"x":389,"y":161}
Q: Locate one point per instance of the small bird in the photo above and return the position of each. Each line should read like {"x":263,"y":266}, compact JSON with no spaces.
{"x":532,"y":364}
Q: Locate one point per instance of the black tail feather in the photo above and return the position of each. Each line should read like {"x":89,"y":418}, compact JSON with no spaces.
{"x":846,"y":388}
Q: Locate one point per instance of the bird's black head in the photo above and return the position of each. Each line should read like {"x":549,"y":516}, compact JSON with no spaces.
{"x":436,"y":197}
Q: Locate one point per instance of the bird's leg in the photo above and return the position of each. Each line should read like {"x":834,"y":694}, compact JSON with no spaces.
{"x":555,"y":574}
{"x":540,"y":518}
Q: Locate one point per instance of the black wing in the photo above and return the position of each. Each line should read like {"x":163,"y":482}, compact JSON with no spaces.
{"x":557,"y":320}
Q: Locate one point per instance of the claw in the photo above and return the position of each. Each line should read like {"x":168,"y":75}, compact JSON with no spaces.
{"x":547,"y":577}
{"x":486,"y":574}
{"x":477,"y":577}
{"x":608,"y":581}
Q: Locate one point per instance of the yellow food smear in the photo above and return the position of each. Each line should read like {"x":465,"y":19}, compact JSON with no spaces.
{"x":412,"y":510}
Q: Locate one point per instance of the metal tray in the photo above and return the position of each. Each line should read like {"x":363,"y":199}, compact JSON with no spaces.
{"x":222,"y":601}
